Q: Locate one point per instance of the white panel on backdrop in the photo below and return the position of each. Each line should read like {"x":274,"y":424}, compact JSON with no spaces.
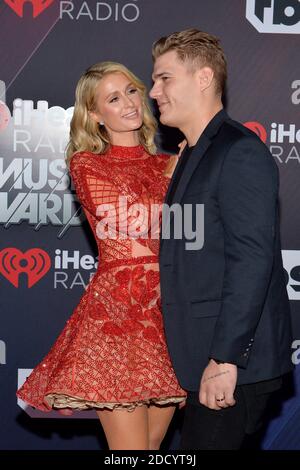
{"x":2,"y":352}
{"x":291,"y":263}
{"x":274,"y":16}
{"x":33,"y":413}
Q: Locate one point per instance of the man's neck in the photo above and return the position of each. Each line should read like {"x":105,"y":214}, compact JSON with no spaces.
{"x":193,"y":131}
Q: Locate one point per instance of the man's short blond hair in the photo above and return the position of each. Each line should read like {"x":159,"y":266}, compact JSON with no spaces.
{"x":199,"y":48}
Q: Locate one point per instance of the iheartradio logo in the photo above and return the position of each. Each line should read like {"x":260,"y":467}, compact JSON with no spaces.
{"x":38,"y":6}
{"x":258,"y":129}
{"x":35,"y":263}
{"x":4,"y":116}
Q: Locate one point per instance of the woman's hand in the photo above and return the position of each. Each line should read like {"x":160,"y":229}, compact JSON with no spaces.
{"x":171,"y":165}
{"x":181,"y":146}
{"x":182,"y":404}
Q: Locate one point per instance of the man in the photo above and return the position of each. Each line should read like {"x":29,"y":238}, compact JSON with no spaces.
{"x":225,"y":305}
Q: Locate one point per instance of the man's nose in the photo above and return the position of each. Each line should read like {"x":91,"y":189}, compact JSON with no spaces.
{"x":154,"y":92}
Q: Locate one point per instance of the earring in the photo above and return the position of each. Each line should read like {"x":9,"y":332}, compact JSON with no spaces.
{"x":101,"y":123}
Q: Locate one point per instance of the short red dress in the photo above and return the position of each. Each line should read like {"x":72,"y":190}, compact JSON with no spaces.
{"x":112,"y":351}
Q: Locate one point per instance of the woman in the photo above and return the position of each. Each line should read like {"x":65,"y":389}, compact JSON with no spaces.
{"x":112,"y":355}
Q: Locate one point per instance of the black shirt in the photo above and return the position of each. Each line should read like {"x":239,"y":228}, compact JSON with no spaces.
{"x":178,"y":172}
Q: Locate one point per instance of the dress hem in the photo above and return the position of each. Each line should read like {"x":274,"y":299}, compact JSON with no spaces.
{"x":60,"y":401}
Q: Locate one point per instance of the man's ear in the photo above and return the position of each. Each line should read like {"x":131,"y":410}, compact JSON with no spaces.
{"x":206,"y":76}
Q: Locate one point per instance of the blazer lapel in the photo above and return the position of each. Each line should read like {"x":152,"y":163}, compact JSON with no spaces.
{"x":197,"y":154}
{"x":191,"y":165}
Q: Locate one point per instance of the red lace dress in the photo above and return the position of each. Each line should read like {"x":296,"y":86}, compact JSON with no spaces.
{"x":112,"y":351}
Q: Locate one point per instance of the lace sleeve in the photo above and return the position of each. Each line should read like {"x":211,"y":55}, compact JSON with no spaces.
{"x":93,"y":188}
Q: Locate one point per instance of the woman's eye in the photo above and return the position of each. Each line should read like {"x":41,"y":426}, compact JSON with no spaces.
{"x":113,"y":100}
{"x":132,"y":90}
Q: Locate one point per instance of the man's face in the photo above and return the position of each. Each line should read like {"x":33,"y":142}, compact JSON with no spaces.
{"x":176,"y":89}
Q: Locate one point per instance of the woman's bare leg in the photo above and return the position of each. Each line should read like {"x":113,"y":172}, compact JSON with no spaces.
{"x":126,"y":430}
{"x":159,"y":418}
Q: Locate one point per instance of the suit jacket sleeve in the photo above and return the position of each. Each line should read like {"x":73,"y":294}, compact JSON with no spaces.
{"x":248,"y":191}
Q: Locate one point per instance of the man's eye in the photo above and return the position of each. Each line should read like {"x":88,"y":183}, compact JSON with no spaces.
{"x":165,"y":78}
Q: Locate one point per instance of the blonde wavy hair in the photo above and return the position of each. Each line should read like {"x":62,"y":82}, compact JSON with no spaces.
{"x":85,"y":133}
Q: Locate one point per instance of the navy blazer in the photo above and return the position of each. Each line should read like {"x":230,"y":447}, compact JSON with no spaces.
{"x":227,"y":300}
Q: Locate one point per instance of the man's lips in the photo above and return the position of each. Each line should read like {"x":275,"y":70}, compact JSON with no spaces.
{"x":161,"y":105}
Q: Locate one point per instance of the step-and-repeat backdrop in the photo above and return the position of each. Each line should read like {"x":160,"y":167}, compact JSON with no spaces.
{"x":47,"y":255}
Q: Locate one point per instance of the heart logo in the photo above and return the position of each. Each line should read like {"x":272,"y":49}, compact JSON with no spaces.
{"x":258,"y":129}
{"x":35,"y":263}
{"x":38,"y":6}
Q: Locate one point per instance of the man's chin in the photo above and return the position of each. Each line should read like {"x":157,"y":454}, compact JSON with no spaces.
{"x":167,"y":121}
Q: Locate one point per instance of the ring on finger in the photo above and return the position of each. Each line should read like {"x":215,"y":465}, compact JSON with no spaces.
{"x":220,"y":399}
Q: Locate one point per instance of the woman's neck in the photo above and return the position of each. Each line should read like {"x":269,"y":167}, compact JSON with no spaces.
{"x":125,"y":139}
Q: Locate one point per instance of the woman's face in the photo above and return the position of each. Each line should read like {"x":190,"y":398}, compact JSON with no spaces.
{"x":118,"y":105}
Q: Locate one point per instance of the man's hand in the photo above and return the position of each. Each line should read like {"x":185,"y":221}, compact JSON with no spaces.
{"x":217,"y":385}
